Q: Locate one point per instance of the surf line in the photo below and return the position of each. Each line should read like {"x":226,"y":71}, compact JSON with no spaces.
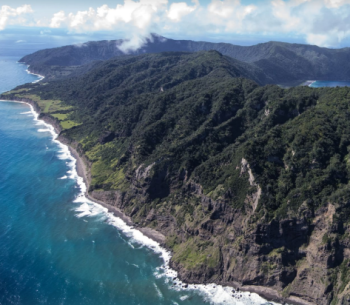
{"x":41,"y":77}
{"x":212,"y":293}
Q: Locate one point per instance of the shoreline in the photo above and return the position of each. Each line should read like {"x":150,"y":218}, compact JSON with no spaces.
{"x":41,"y":77}
{"x":157,"y":237}
{"x":308,"y":83}
{"x":147,"y":236}
{"x":82,"y":172}
{"x":269,"y":295}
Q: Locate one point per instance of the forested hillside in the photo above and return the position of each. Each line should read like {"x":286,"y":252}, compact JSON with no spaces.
{"x":250,"y":184}
{"x":282,"y":63}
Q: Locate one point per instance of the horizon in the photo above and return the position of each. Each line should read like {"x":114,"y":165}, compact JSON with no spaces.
{"x":323,"y":23}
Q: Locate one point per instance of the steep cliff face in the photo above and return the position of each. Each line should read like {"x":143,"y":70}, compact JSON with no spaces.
{"x":249,"y":184}
{"x":299,"y":260}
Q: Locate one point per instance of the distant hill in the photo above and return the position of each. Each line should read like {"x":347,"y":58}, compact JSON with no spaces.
{"x":282,"y":63}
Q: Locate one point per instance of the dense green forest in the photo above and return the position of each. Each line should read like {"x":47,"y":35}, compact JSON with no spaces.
{"x":196,"y":111}
{"x":197,"y":124}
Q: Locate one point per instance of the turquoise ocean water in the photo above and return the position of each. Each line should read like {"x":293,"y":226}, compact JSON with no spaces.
{"x":56,"y":247}
{"x":319,"y":84}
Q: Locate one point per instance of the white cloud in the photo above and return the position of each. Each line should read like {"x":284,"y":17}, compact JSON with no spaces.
{"x":178,"y":10}
{"x":138,"y":18}
{"x":134,"y":43}
{"x":9,"y":15}
{"x":140,"y":14}
{"x":321,"y":22}
{"x":336,"y":3}
{"x":223,"y":9}
{"x":58,"y":19}
{"x":229,"y":14}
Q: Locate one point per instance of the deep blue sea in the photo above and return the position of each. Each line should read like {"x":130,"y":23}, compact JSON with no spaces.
{"x":319,"y":84}
{"x":56,"y":247}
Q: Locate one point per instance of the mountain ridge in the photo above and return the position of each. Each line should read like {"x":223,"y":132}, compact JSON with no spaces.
{"x":282,"y":63}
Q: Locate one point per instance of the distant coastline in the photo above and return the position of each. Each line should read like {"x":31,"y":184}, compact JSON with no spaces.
{"x":41,"y":77}
{"x":308,"y":83}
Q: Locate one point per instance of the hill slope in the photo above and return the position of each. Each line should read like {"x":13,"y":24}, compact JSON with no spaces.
{"x":249,"y":184}
{"x":283,"y":63}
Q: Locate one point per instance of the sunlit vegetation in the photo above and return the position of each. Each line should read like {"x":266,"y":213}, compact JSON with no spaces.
{"x":194,"y":116}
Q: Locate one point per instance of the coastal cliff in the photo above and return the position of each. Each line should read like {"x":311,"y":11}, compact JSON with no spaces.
{"x":248,"y":184}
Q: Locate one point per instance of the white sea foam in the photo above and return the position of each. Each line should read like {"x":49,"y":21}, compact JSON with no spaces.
{"x":82,"y":210}
{"x":158,"y":291}
{"x":41,"y":77}
{"x":310,"y":82}
{"x":215,"y":294}
{"x":184,"y":297}
{"x":64,"y":177}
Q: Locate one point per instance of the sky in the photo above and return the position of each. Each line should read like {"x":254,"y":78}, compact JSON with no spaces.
{"x":325,"y":23}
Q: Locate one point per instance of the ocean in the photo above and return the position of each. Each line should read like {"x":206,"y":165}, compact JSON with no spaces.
{"x":319,"y":84}
{"x":57,"y":247}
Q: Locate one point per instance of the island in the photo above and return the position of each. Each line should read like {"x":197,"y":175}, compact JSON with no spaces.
{"x":247,"y":185}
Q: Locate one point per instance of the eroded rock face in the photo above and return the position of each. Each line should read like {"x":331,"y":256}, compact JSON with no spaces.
{"x":300,"y":258}
{"x":253,"y":199}
{"x":106,"y":137}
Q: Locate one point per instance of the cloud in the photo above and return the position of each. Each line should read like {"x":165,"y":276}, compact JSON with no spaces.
{"x":138,"y":18}
{"x":140,"y":14}
{"x":58,"y":19}
{"x":321,"y":22}
{"x":178,"y":10}
{"x":336,"y":3}
{"x":9,"y":15}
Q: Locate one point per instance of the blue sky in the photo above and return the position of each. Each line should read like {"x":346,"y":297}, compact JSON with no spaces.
{"x":320,"y":22}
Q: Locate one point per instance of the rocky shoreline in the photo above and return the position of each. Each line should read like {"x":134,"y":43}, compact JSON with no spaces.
{"x":82,"y":172}
{"x":265,"y":292}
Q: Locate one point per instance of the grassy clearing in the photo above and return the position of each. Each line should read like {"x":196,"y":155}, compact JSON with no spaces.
{"x":100,"y":172}
{"x":46,"y":106}
{"x":52,"y":107}
{"x":61,"y":116}
{"x":103,"y":174}
{"x":16,"y":91}
{"x":195,"y":253}
{"x":65,"y":122}
{"x":69,"y":124}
